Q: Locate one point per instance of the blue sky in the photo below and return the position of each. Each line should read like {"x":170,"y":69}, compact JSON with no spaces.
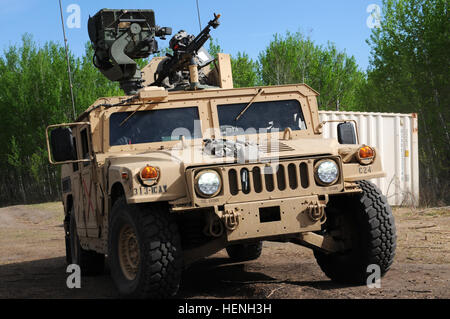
{"x":246,"y":25}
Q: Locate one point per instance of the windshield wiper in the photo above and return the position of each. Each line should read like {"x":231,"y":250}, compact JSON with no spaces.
{"x":260,"y":91}
{"x":132,"y":114}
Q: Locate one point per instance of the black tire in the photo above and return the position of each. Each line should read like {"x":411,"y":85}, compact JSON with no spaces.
{"x":156,"y":271}
{"x":67,"y":239}
{"x":91,"y":263}
{"x":245,"y":252}
{"x":373,"y":237}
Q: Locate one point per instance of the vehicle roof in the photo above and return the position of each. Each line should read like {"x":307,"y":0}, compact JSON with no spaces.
{"x":117,"y":101}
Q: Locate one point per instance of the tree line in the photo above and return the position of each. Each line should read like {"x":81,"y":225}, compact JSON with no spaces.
{"x":408,"y":72}
{"x":34,"y":93}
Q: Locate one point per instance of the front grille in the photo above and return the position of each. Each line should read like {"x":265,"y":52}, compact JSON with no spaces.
{"x":282,"y":177}
{"x":255,"y":182}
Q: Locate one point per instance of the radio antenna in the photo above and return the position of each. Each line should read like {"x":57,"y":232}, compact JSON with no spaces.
{"x":198,"y":13}
{"x":68,"y":62}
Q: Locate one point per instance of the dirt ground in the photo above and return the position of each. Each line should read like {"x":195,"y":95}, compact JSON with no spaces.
{"x":32,"y":264}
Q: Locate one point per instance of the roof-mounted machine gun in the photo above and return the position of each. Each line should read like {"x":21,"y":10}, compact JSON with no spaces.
{"x":119,"y":37}
{"x":181,"y":70}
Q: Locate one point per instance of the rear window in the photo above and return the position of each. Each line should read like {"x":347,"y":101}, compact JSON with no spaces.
{"x":261,"y":117}
{"x":154,"y":126}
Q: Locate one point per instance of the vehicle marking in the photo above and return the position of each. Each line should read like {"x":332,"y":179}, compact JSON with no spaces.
{"x":365,"y":169}
{"x":150,"y":190}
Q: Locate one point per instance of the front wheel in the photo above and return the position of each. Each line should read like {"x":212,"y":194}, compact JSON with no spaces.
{"x":144,"y":250}
{"x":366,"y":224}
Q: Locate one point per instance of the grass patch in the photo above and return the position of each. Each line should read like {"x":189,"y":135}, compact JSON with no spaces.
{"x":53,"y":207}
{"x":417,"y":212}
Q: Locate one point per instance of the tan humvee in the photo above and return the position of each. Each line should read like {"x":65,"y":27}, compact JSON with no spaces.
{"x":162,"y":179}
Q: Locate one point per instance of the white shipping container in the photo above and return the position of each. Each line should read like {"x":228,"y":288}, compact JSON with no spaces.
{"x":396,"y":138}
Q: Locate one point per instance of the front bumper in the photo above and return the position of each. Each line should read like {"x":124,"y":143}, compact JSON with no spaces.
{"x":273,"y":218}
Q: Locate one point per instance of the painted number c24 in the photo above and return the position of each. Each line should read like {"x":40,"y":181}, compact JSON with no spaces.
{"x":365,"y":169}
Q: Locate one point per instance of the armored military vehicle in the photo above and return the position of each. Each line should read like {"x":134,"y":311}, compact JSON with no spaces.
{"x":185,"y":165}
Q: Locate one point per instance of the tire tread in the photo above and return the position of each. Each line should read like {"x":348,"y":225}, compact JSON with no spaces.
{"x":378,"y":228}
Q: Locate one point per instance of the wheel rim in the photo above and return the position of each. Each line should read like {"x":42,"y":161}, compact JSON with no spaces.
{"x":129,"y":255}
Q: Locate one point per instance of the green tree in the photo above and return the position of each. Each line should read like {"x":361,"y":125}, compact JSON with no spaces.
{"x":296,"y":59}
{"x":89,"y":83}
{"x":409,"y":72}
{"x":244,"y":71}
{"x":214,"y":47}
{"x":34,"y":93}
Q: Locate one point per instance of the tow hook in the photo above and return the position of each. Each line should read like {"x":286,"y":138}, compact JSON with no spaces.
{"x":231,"y":220}
{"x":316,"y":211}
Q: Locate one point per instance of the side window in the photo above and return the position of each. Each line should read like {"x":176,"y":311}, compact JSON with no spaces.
{"x":85,"y":146}
{"x":75,"y":165}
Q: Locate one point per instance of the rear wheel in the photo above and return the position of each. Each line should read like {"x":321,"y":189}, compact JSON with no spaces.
{"x":245,"y":252}
{"x":90,"y":262}
{"x":144,"y":251}
{"x":365,"y":223}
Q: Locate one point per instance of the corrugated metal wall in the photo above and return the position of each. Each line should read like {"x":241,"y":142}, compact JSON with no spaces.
{"x":396,"y":138}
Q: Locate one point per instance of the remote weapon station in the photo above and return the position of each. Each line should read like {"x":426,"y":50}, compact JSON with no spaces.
{"x":121,"y":36}
{"x":185,"y":165}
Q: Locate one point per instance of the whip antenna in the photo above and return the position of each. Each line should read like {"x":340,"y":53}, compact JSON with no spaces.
{"x":198,"y":13}
{"x":68,"y":62}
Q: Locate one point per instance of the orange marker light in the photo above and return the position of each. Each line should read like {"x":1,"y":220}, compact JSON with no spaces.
{"x":150,"y":172}
{"x":366,"y":152}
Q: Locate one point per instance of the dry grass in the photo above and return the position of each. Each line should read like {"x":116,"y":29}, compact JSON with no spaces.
{"x":31,"y":232}
{"x":423,"y":235}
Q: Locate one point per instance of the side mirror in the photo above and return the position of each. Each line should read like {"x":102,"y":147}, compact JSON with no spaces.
{"x":346,"y":133}
{"x":63,"y":148}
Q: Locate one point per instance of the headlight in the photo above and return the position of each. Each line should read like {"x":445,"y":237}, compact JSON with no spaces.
{"x":327,"y":172}
{"x":208,"y":183}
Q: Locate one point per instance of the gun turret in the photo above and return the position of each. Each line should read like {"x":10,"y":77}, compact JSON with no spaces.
{"x":188,"y":56}
{"x":121,"y":36}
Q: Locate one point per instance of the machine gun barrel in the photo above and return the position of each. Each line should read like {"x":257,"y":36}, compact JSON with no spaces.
{"x":201,"y":39}
{"x":183,"y":60}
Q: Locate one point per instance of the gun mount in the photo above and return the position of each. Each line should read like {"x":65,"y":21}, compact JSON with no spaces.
{"x":121,"y":36}
{"x":188,"y":58}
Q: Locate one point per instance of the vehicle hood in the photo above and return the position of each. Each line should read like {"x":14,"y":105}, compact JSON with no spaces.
{"x":199,"y":155}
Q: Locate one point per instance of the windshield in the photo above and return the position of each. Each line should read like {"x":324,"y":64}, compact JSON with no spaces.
{"x":154,"y":126}
{"x":261,"y":117}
